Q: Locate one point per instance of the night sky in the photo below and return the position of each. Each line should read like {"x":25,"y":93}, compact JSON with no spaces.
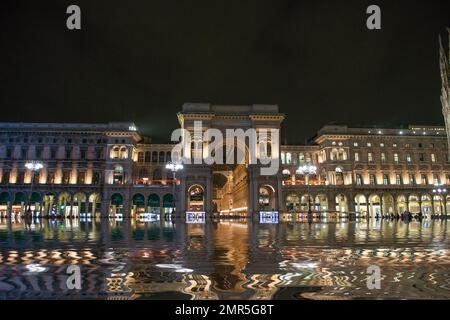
{"x":141,"y":60}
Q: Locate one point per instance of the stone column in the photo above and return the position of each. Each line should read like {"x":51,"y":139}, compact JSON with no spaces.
{"x":280,"y":206}
{"x":209,"y":191}
{"x":104,"y":208}
{"x":351,"y":207}
{"x":126,"y":208}
{"x":94,"y":203}
{"x":9,"y":210}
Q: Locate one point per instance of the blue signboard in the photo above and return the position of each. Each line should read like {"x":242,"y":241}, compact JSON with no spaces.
{"x":195,"y":217}
{"x":268,"y":217}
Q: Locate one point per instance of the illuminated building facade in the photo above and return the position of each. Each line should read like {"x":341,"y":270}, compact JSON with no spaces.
{"x":111,"y":169}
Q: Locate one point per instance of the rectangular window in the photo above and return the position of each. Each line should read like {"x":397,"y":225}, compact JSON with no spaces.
{"x":358,"y":180}
{"x":53,"y":153}
{"x":412,"y":180}
{"x":398,"y":179}
{"x":301,"y":158}
{"x":437,"y":181}
{"x":385,"y":179}
{"x":356,"y":157}
{"x":421,"y":157}
{"x":98,"y":153}
{"x":408,"y":158}
{"x":424,"y":179}
{"x":370,"y":157}
{"x":433,"y":157}
{"x":39,"y":152}
{"x":51,"y":178}
{"x":81,"y":178}
{"x":68,"y":153}
{"x":83,"y":153}
{"x":383,"y":157}
{"x":372,"y":179}
{"x":396,"y":157}
{"x":66,"y":177}
{"x":24,"y":153}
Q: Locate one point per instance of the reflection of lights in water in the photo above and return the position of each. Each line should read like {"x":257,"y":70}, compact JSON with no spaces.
{"x":309,"y":265}
{"x":35,"y":268}
{"x":177,"y":267}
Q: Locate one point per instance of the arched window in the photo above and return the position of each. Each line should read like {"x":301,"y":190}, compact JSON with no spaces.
{"x":140,"y":157}
{"x":123,"y":153}
{"x":283,"y":158}
{"x":148,"y":156}
{"x":342,"y":155}
{"x":168,"y":156}
{"x":288,"y":158}
{"x":294,"y":159}
{"x":301,"y":158}
{"x":161,"y":157}
{"x":154,"y":157}
{"x":196,"y":198}
{"x":118,"y":175}
{"x":334,"y":155}
{"x":115,"y":152}
{"x":308,"y":158}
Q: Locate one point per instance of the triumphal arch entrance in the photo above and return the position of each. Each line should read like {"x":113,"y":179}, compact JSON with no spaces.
{"x":231,"y":159}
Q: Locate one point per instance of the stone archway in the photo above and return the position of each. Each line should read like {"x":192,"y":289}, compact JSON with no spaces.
{"x":414,"y":204}
{"x":361,"y":205}
{"x":388,"y":204}
{"x":292,"y":202}
{"x":402,"y":204}
{"x":321,"y":203}
{"x":375,"y":206}
{"x":196,"y":198}
{"x":266,"y":198}
{"x":341,"y":204}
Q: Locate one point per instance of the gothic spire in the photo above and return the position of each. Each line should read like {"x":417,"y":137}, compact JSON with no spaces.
{"x":443,"y":62}
{"x":445,"y":92}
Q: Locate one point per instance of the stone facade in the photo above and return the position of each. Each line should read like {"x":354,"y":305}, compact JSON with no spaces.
{"x":111,"y":169}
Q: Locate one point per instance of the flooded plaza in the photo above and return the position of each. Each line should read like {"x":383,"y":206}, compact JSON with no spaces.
{"x":239,"y":259}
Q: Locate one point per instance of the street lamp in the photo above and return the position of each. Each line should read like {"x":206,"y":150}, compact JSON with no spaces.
{"x":174,"y":167}
{"x":308,"y":170}
{"x":33,"y":166}
{"x":441,"y":192}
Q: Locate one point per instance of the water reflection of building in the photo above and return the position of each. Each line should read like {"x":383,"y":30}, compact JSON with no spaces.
{"x":111,"y":168}
{"x":223,"y":260}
